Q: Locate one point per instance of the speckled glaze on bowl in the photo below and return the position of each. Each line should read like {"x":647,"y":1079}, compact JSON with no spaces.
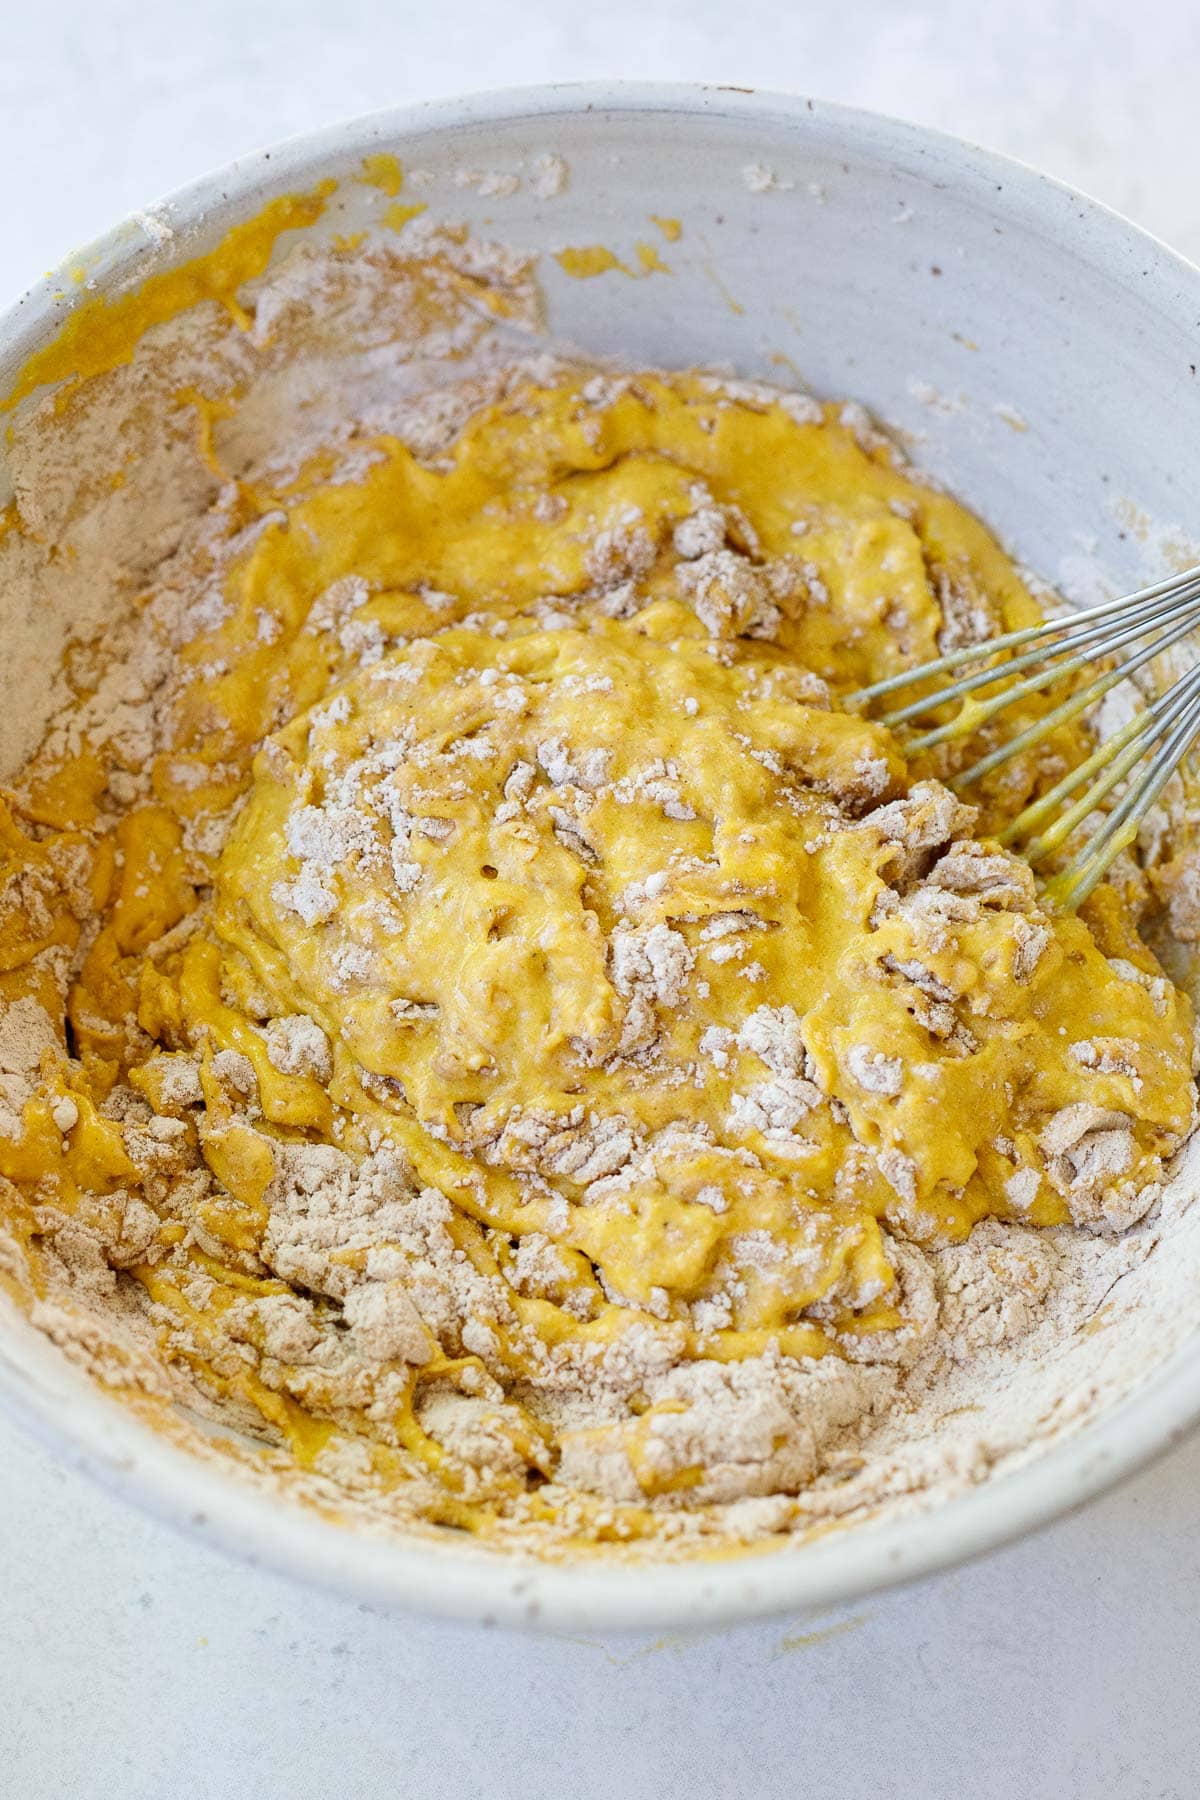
{"x":1033,"y":347}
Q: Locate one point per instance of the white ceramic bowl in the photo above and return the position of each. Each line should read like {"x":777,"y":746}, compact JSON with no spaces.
{"x":959,"y":296}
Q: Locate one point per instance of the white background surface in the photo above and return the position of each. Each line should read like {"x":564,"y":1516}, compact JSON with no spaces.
{"x":136,"y":1666}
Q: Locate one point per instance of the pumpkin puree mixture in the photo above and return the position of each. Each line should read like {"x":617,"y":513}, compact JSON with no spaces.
{"x":517,"y":1041}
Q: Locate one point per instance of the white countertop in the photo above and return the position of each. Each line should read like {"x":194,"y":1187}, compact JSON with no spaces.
{"x":138,"y":1666}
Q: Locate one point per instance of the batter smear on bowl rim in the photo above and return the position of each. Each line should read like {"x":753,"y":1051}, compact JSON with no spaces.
{"x":479,"y":1018}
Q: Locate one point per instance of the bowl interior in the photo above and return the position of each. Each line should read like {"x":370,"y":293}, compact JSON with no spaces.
{"x":1030,"y":348}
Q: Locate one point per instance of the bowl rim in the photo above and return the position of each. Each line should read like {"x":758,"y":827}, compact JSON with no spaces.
{"x":91,"y":1432}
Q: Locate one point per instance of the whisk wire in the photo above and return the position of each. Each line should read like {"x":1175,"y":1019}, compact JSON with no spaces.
{"x":1125,"y":750}
{"x":1099,"y":634}
{"x":1172,"y":587}
{"x":1155,"y":619}
{"x":1067,"y":709}
{"x":1089,"y":867}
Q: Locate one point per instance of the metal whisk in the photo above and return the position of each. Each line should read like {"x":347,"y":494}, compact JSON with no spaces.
{"x":1134,"y":629}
